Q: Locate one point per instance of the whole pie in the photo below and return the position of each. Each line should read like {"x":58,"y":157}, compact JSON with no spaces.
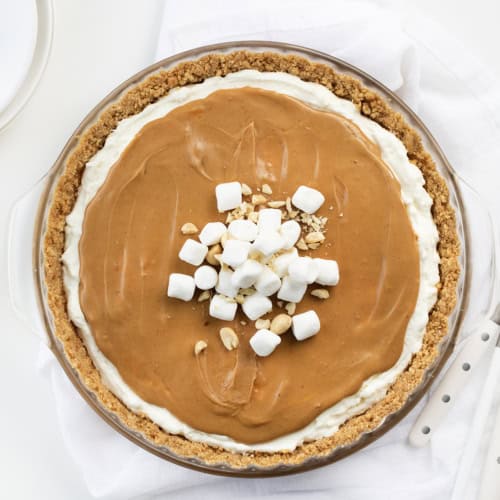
{"x":251,"y":259}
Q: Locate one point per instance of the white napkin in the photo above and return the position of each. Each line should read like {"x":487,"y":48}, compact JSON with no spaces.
{"x":460,"y":102}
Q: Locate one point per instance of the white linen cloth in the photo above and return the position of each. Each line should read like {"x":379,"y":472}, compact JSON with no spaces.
{"x":460,"y":102}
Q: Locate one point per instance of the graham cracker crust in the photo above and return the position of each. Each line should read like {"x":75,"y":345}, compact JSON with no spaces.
{"x":149,"y":91}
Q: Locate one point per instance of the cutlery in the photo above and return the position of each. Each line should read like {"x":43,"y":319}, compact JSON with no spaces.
{"x":459,"y":373}
{"x":490,"y":478}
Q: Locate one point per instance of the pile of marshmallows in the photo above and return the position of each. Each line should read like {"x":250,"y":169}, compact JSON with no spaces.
{"x":260,"y":257}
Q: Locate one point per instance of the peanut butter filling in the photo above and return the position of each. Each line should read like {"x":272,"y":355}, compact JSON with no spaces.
{"x":132,"y":236}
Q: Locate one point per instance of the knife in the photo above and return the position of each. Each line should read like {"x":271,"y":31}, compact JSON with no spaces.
{"x":455,"y":378}
{"x":490,"y":477}
{"x":469,"y":456}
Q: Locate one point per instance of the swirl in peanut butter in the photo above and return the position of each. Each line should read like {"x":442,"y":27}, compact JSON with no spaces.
{"x":131,"y":239}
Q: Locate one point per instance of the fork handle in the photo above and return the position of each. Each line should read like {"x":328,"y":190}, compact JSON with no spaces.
{"x":453,"y":381}
{"x":490,"y":477}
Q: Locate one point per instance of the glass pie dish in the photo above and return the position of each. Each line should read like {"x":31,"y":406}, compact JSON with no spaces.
{"x":475,"y":289}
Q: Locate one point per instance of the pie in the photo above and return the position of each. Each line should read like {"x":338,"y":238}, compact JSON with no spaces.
{"x":143,"y":180}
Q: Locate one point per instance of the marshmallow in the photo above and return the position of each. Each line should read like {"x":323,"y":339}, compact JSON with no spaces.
{"x":246,"y":275}
{"x":205,"y":277}
{"x":193,"y":252}
{"x":307,"y":199}
{"x":256,"y":305}
{"x":269,"y":219}
{"x":235,"y":252}
{"x":212,"y":233}
{"x":181,"y":286}
{"x":290,"y":231}
{"x":228,"y":196}
{"x":222,"y":308}
{"x":281,"y":263}
{"x":303,"y":270}
{"x":264,"y":342}
{"x":268,"y":282}
{"x":224,"y":284}
{"x":244,"y":230}
{"x":305,"y":325}
{"x":268,"y":242}
{"x":328,"y":272}
{"x":291,"y":291}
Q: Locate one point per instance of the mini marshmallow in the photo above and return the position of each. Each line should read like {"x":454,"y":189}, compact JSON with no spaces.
{"x":235,"y":252}
{"x":181,"y":286}
{"x":268,"y":282}
{"x":269,"y":219}
{"x":307,"y":199}
{"x":193,"y":252}
{"x":328,"y":272}
{"x":246,"y":275}
{"x":268,"y":242}
{"x":291,"y":291}
{"x":290,"y":231}
{"x":228,"y":196}
{"x":205,"y":277}
{"x":281,"y":263}
{"x":305,"y":325}
{"x":264,"y":342}
{"x":256,"y":305}
{"x":212,"y":233}
{"x":303,"y":270}
{"x":244,"y":230}
{"x":222,"y":308}
{"x":224,"y":284}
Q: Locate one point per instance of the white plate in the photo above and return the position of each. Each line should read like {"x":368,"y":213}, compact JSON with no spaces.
{"x":26,"y":28}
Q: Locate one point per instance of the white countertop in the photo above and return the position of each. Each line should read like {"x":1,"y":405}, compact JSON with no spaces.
{"x":97,"y":45}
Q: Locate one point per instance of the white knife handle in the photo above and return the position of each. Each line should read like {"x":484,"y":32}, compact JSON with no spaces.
{"x":450,"y":386}
{"x":490,"y":478}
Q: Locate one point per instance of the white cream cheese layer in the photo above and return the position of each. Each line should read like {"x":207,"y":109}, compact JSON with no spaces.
{"x":416,"y":199}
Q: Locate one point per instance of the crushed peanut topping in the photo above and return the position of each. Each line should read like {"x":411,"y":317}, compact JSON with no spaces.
{"x":275,"y":204}
{"x":200,"y":346}
{"x":212,"y":253}
{"x":320,"y":293}
{"x":301,"y":245}
{"x":246,"y":190}
{"x":281,"y":323}
{"x":266,"y":189}
{"x":262,"y":323}
{"x":205,"y":295}
{"x":254,"y":217}
{"x":189,"y":228}
{"x":258,"y":199}
{"x":315,"y":237}
{"x":229,"y":338}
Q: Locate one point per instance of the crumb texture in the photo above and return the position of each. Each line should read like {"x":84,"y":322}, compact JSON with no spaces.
{"x":149,"y":91}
